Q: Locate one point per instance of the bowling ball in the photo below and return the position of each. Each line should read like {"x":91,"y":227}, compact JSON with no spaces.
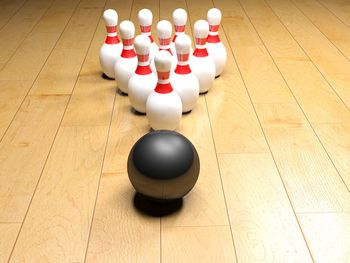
{"x":163,"y":166}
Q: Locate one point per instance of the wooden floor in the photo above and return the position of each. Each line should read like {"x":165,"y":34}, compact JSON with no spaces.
{"x":273,"y":137}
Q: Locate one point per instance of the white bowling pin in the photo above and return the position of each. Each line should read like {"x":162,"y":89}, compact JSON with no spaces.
{"x":201,"y":63}
{"x":163,"y":106}
{"x":143,"y":81}
{"x":145,"y":20}
{"x":180,"y":19}
{"x":183,"y":80}
{"x":126,"y":64}
{"x":112,"y":47}
{"x":216,"y":48}
{"x":164,"y":31}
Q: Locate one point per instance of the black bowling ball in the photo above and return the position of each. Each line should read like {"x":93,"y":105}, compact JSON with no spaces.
{"x":163,"y":166}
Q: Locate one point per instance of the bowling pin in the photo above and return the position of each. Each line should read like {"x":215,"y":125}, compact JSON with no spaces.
{"x":145,"y":18}
{"x":183,"y":80}
{"x":164,"y":31}
{"x":112,"y":47}
{"x":216,"y":48}
{"x":180,"y":19}
{"x":163,"y":106}
{"x":143,"y":81}
{"x":126,"y":64}
{"x":201,"y":63}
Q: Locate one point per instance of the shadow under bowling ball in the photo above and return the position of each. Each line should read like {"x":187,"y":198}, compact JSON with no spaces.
{"x":163,"y":166}
{"x":155,"y":208}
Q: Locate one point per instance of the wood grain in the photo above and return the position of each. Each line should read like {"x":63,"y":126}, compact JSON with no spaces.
{"x":20,"y":72}
{"x":8,"y":10}
{"x":197,"y":244}
{"x":263,"y":222}
{"x":58,"y":222}
{"x":23,"y":153}
{"x":328,"y":236}
{"x":330,"y":25}
{"x":120,"y":233}
{"x":8,"y":234}
{"x":16,"y":30}
{"x":329,"y":60}
{"x":296,"y":149}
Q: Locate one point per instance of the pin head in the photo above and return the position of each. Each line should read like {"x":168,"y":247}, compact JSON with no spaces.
{"x":180,"y":17}
{"x":110,"y":17}
{"x":127,"y":29}
{"x":214,"y":16}
{"x":145,"y":17}
{"x":163,"y":61}
{"x":183,"y":44}
{"x":201,"y":29}
{"x":142,"y":45}
{"x":164,"y":29}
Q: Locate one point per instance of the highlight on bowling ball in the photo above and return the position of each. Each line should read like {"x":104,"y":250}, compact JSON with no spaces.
{"x":163,"y":166}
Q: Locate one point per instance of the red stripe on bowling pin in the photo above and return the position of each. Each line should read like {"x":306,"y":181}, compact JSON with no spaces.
{"x":163,"y":85}
{"x":213,"y":36}
{"x":178,"y":29}
{"x":182,"y":67}
{"x":112,"y":37}
{"x":147,"y":29}
{"x":200,"y":51}
{"x":130,"y":51}
{"x":165,"y":42}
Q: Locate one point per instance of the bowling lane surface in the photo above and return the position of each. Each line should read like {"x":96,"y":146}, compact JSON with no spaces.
{"x":272,"y":135}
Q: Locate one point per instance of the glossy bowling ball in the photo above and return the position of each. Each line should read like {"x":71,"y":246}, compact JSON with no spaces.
{"x":163,"y":166}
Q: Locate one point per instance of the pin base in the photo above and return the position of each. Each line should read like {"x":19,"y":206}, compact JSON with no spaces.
{"x":104,"y":76}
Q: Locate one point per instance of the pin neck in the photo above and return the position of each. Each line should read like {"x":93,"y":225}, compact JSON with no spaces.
{"x":128,"y":48}
{"x":112,"y":37}
{"x":179,"y":29}
{"x":164,"y":44}
{"x":146,"y":30}
{"x":201,"y":49}
{"x":143,"y":67}
{"x":213,"y":29}
{"x":163,"y":85}
{"x":182,"y":66}
{"x":182,"y":59}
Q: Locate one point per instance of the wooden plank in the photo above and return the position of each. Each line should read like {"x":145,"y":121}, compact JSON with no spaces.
{"x":19,"y":26}
{"x":120,"y":233}
{"x":23,"y":153}
{"x":329,"y":60}
{"x":330,"y":25}
{"x":335,"y":138}
{"x":8,"y":10}
{"x":93,"y":96}
{"x":328,"y":236}
{"x":297,"y":151}
{"x":314,"y":95}
{"x":304,"y":165}
{"x":340,"y":8}
{"x":8,"y":233}
{"x":61,"y":70}
{"x":264,"y":226}
{"x":197,"y":244}
{"x":19,"y":74}
{"x":12,"y":94}
{"x":58,"y":222}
